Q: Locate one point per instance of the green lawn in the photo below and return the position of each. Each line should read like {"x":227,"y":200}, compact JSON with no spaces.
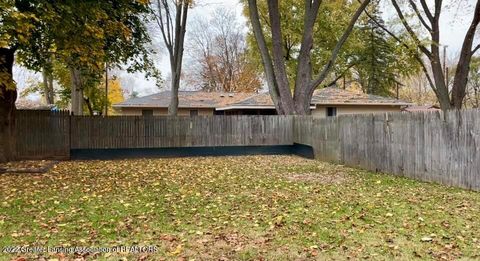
{"x":257,"y":207}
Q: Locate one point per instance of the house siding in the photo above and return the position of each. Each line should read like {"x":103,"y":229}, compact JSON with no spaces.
{"x":321,"y":110}
{"x":164,"y":111}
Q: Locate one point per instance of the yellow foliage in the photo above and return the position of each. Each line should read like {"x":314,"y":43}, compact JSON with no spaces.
{"x":115,"y":94}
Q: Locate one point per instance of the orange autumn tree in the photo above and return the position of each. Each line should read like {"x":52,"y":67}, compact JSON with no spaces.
{"x":220,"y":59}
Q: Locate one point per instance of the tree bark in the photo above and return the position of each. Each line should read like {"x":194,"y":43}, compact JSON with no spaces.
{"x":176,"y":53}
{"x":278,"y":54}
{"x":8,"y":96}
{"x":304,"y":67}
{"x":175,"y":86}
{"x":89,"y":106}
{"x":435,"y":60}
{"x":266,"y":59}
{"x":76,"y":92}
{"x":48,"y":92}
{"x":304,"y":97}
{"x":463,"y":67}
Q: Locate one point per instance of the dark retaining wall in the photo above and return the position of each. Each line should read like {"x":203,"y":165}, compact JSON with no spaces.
{"x":108,"y":154}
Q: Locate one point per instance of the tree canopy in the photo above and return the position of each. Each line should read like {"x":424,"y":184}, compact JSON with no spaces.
{"x":82,"y":35}
{"x":370,"y":57}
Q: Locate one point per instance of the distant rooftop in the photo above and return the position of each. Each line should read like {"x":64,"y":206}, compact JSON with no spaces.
{"x":226,"y":101}
{"x":337,"y":96}
{"x":187,"y":99}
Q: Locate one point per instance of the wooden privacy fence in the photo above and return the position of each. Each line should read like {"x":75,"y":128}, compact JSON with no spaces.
{"x":44,"y":134}
{"x":438,"y":147}
{"x":170,"y":132}
{"x":427,"y":146}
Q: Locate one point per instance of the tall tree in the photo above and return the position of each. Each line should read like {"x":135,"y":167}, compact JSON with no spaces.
{"x":110,"y":32}
{"x":171,"y":18}
{"x":219,"y":50}
{"x":429,"y":19}
{"x":17,"y":24}
{"x":376,"y":55}
{"x":82,"y":34}
{"x":274,"y":60}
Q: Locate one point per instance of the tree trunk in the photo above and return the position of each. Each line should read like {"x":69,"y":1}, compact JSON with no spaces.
{"x":89,"y":106}
{"x":302,"y":97}
{"x":8,"y":96}
{"x":440,"y":86}
{"x":266,"y":59}
{"x":276,"y":72}
{"x":77,"y":92}
{"x":278,"y":54}
{"x":176,"y":54}
{"x":48,"y":92}
{"x":175,"y":85}
{"x":303,"y":100}
{"x":463,"y":66}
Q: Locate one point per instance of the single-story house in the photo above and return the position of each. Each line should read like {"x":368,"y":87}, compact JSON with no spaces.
{"x":329,"y":101}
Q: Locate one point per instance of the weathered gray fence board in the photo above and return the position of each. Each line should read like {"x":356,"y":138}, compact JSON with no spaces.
{"x":438,"y":147}
{"x":166,"y":132}
{"x":441,"y":147}
{"x":42,"y":134}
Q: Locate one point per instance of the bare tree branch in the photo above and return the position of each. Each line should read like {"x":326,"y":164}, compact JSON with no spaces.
{"x":427,"y":11}
{"x":410,"y":30}
{"x":420,"y":16}
{"x":338,"y":46}
{"x":475,"y":49}
{"x":165,"y":30}
{"x":341,"y":75}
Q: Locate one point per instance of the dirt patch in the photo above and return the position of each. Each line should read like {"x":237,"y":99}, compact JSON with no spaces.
{"x":314,"y":177}
{"x":27,"y":166}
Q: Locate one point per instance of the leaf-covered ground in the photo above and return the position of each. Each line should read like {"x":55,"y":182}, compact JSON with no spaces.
{"x":236,"y":208}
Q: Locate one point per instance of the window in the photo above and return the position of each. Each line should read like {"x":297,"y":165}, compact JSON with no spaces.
{"x":331,"y":111}
{"x":193,"y":113}
{"x":147,"y":112}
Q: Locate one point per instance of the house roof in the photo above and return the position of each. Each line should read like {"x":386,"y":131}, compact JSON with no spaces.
{"x":325,"y":96}
{"x":187,"y":99}
{"x":337,"y":96}
{"x":229,"y":101}
{"x":257,"y":101}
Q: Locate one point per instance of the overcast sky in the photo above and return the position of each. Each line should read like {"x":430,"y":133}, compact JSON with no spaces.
{"x":454,"y":23}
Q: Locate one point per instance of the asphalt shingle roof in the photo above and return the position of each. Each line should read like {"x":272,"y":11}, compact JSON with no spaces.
{"x":187,"y":99}
{"x":333,"y":95}
{"x":201,"y":99}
